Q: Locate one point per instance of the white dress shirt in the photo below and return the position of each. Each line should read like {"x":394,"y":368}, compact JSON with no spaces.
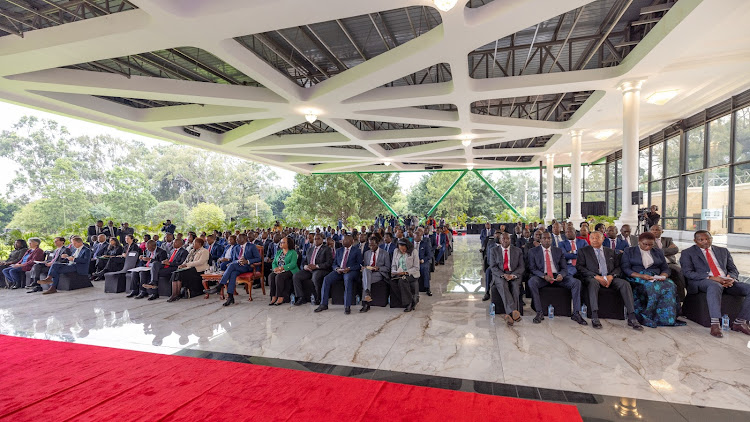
{"x":551,"y":259}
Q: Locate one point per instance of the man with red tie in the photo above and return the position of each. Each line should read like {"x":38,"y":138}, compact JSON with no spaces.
{"x":163,"y":268}
{"x":244,"y":255}
{"x":346,"y":266}
{"x":215,"y":249}
{"x":610,"y":240}
{"x":570,"y":248}
{"x":710,"y":269}
{"x":548,"y":266}
{"x":507,"y":273}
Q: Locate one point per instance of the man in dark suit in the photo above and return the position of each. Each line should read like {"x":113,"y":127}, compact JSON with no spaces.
{"x":491,"y":244}
{"x":125,"y":230}
{"x":161,"y":268}
{"x":531,"y":243}
{"x":142,"y":273}
{"x":110,"y":230}
{"x":710,"y":269}
{"x":376,"y":268}
{"x":557,"y":235}
{"x":670,"y":252}
{"x":168,"y":227}
{"x":424,"y":248}
{"x":346,"y":267}
{"x":625,"y":239}
{"x":525,"y":238}
{"x":440,"y":241}
{"x":78,"y":262}
{"x":570,"y":248}
{"x":610,"y":239}
{"x":485,"y":234}
{"x":317,"y":264}
{"x":244,"y":255}
{"x":215,"y":250}
{"x":507,"y":273}
{"x":599,"y":267}
{"x":548,"y":266}
{"x":388,"y":243}
{"x":43,"y":269}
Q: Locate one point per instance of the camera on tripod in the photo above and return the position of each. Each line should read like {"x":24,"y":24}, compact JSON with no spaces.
{"x":642,"y":213}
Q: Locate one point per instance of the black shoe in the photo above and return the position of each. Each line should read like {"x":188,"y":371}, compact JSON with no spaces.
{"x":212,"y":290}
{"x":153,"y":297}
{"x":321,"y":308}
{"x":172,"y":298}
{"x":317,"y":303}
{"x":35,"y":289}
{"x":635,"y":324}
{"x":579,"y":319}
{"x":596,"y":324}
{"x":365,"y":307}
{"x":300,"y":302}
{"x":230,"y":300}
{"x":538,"y":318}
{"x":486,"y":297}
{"x":429,"y":293}
{"x":347,"y":310}
{"x":409,"y":308}
{"x":132,"y":294}
{"x":256,"y":286}
{"x":14,"y":286}
{"x":141,"y":295}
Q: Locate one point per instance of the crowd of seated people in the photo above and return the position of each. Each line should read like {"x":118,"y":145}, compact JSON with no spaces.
{"x":305,"y":264}
{"x":642,"y":269}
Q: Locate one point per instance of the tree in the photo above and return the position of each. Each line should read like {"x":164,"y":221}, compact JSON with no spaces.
{"x":167,"y":210}
{"x":206,"y":217}
{"x":7,"y":209}
{"x":417,"y":199}
{"x":331,"y":196}
{"x":458,"y":199}
{"x":275,"y":198}
{"x":127,"y":194}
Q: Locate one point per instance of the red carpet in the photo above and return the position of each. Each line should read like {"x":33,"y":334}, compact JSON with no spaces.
{"x":54,"y":381}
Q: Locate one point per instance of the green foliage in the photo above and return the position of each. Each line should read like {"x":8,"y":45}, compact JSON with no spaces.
{"x":167,"y":210}
{"x":596,"y":219}
{"x":275,"y":197}
{"x":206,"y":217}
{"x":7,"y":209}
{"x":127,"y":194}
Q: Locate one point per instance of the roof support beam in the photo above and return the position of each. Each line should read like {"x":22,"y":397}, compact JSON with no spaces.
{"x":377,"y":195}
{"x":434,"y":207}
{"x":499,"y":195}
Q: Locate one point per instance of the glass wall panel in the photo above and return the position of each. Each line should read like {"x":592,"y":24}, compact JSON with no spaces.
{"x":669,"y":223}
{"x":694,"y":195}
{"x":742,"y":136}
{"x":672,"y":196}
{"x":718,"y":141}
{"x":593,"y":178}
{"x":657,"y":161}
{"x":611,"y":204}
{"x":558,"y":206}
{"x":717,"y":198}
{"x":618,"y":202}
{"x":618,"y":164}
{"x":566,"y":179}
{"x":611,"y":175}
{"x":672,"y":167}
{"x":695,"y":149}
{"x":742,"y":197}
{"x":643,"y":166}
{"x":593,"y":196}
{"x":656,"y":194}
{"x":566,"y":200}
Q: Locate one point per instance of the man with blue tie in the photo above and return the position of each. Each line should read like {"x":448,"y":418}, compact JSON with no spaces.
{"x":388,"y":243}
{"x":570,"y":249}
{"x":485,"y":234}
{"x":215,"y":249}
{"x":557,"y":236}
{"x":244,"y":255}
{"x":78,"y":262}
{"x":548,"y":266}
{"x":439,"y":245}
{"x":346,"y":267}
{"x":425,"y":255}
{"x":710,"y":269}
{"x":226,"y":257}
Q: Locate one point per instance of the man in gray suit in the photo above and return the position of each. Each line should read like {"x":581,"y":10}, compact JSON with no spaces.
{"x":710,"y":269}
{"x":670,"y":252}
{"x":376,"y":268}
{"x":317,"y":264}
{"x":598,"y":267}
{"x":507,"y":272}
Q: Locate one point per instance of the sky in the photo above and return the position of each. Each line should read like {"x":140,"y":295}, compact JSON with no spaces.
{"x":11,"y":113}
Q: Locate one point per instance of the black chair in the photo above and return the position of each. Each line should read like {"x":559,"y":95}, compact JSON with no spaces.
{"x":73,"y":281}
{"x":116,"y":282}
{"x":500,"y":306}
{"x":611,"y":305}
{"x":557,"y":296}
{"x":379,"y":293}
{"x":337,"y":292}
{"x":695,"y":307}
{"x":165,"y":286}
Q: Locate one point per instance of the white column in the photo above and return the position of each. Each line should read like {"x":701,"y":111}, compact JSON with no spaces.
{"x":550,"y":214}
{"x":631,"y":105}
{"x":575,"y":177}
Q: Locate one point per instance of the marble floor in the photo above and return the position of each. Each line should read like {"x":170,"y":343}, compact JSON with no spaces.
{"x":449,"y":335}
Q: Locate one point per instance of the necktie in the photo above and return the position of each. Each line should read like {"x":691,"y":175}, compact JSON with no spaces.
{"x":506,"y":266}
{"x":149,"y":255}
{"x":344,"y":258}
{"x":711,"y":264}
{"x":416,"y":247}
{"x":658,"y":243}
{"x":573,"y":249}
{"x":209,"y":249}
{"x":602,"y":262}
{"x":437,"y":238}
{"x":242,"y":251}
{"x":312,"y":258}
{"x":548,"y":262}
{"x":171,"y":258}
{"x":374,"y":255}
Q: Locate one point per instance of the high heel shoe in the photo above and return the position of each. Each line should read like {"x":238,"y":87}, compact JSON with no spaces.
{"x":279,"y":303}
{"x":230,"y":300}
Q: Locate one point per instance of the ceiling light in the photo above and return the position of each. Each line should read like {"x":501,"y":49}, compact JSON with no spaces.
{"x":470,"y":166}
{"x":661,"y":97}
{"x":310,"y":116}
{"x":603,"y":135}
{"x":466,"y":142}
{"x":445,"y":5}
{"x":387,"y":162}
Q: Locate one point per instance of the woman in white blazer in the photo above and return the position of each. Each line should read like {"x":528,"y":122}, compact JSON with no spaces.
{"x":404,"y":275}
{"x":189,"y":273}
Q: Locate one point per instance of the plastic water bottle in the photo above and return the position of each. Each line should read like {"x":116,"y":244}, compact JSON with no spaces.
{"x":291,"y":299}
{"x":725,"y":322}
{"x":584,"y":310}
{"x":312,"y":299}
{"x":551,"y":312}
{"x":357,"y":302}
{"x":492,"y":309}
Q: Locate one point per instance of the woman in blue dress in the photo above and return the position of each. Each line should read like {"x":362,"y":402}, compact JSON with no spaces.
{"x":655,"y":299}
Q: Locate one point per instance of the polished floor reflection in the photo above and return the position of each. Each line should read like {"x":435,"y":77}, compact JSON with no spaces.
{"x":449,"y":335}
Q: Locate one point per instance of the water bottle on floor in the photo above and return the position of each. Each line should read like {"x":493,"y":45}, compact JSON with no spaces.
{"x":357,"y":302}
{"x":312,"y":299}
{"x":584,"y":310}
{"x":725,"y":322}
{"x":291,"y":299}
{"x":551,"y":312}
{"x":492,"y":309}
